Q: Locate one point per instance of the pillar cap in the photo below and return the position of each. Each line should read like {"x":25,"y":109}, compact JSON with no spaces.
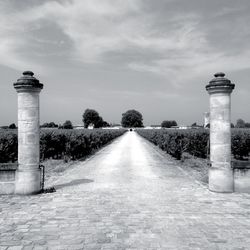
{"x":28,"y":81}
{"x":220,"y":84}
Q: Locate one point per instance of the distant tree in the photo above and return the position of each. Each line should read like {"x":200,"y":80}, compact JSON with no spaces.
{"x":99,"y":123}
{"x":67,"y":125}
{"x":105,"y":124}
{"x":194,"y":124}
{"x":232,"y":125}
{"x":12,"y":126}
{"x":168,"y":124}
{"x":4,"y":127}
{"x":247,"y":125}
{"x":240,"y":123}
{"x":49,"y":125}
{"x":92,"y":116}
{"x":132,"y":118}
{"x":115,"y":125}
{"x":45,"y":125}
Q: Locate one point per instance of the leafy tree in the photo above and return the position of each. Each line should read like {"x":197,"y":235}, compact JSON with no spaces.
{"x":4,"y":127}
{"x":99,"y":123}
{"x":168,"y":124}
{"x":247,"y":125}
{"x":12,"y":126}
{"x":92,"y":116}
{"x":67,"y":125}
{"x":49,"y":125}
{"x":105,"y":124}
{"x":240,"y":123}
{"x":132,"y":118}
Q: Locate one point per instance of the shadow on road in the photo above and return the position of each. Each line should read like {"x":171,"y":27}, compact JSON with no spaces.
{"x":73,"y":183}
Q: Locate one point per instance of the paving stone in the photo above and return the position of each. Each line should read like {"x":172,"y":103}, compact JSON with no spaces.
{"x":15,"y":248}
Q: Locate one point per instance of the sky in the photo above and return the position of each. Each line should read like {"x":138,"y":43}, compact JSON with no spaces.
{"x":115,"y":55}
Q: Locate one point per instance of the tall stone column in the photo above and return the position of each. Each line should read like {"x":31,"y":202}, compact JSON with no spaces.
{"x":220,"y":173}
{"x":28,"y":175}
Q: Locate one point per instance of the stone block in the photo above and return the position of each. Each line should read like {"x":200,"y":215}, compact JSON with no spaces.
{"x":221,"y":179}
{"x":219,"y":125}
{"x":7,"y":188}
{"x":28,"y":126}
{"x":220,"y":100}
{"x":7,"y":175}
{"x":27,"y":138}
{"x":28,"y":100}
{"x":28,"y":154}
{"x":28,"y":182}
{"x":28,"y":114}
{"x":220,"y":153}
{"x":221,"y":137}
{"x":220,"y":114}
{"x":7,"y":178}
{"x":241,"y":176}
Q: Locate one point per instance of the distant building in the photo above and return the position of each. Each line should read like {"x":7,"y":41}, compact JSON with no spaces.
{"x":91,"y":126}
{"x":115,"y":127}
{"x":206,"y":119}
{"x":78,"y":127}
{"x":153,"y":127}
{"x":181,"y":127}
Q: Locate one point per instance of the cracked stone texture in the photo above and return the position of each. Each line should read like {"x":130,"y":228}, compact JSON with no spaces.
{"x":130,"y":195}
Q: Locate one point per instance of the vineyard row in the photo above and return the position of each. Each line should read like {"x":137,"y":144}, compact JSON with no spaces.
{"x":195,"y":141}
{"x":59,"y":144}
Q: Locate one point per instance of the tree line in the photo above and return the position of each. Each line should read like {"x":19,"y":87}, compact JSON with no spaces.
{"x":130,"y":119}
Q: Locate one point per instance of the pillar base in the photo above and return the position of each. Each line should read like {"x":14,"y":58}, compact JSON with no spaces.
{"x":28,"y":182}
{"x":221,"y":180}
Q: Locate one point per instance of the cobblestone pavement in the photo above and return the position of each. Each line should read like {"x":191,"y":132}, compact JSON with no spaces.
{"x":130,"y":195}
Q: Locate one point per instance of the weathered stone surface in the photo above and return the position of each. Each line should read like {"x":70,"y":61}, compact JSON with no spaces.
{"x":242,"y":180}
{"x":28,"y":154}
{"x":220,"y":174}
{"x":241,"y":176}
{"x":7,"y":187}
{"x":8,"y":166}
{"x":28,"y":181}
{"x":28,"y":100}
{"x":220,"y":153}
{"x":221,"y":178}
{"x":28,"y":176}
{"x":6,"y":176}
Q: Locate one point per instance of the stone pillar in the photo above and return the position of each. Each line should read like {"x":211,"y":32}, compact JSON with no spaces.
{"x":220,"y":173}
{"x":28,"y":175}
{"x":206,"y":119}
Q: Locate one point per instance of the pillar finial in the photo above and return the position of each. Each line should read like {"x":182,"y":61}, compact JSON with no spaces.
{"x":28,"y":72}
{"x":28,"y":81}
{"x":220,"y":84}
{"x":219,"y":74}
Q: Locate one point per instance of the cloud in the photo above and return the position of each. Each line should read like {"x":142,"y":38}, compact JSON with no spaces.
{"x":14,"y":42}
{"x":164,"y":39}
